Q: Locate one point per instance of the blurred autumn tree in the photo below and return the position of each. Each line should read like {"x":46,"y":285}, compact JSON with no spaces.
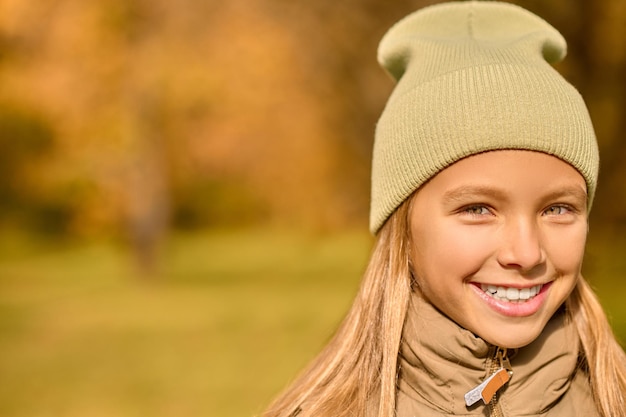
{"x":135,"y":115}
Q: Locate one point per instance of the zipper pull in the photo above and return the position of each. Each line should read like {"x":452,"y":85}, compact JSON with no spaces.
{"x":488,"y":388}
{"x":503,"y":358}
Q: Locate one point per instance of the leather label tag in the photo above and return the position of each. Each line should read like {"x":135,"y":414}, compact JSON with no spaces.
{"x":496,"y":381}
{"x":488,"y":388}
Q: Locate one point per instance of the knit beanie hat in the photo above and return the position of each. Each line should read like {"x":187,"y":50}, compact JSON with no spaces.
{"x":472,"y":77}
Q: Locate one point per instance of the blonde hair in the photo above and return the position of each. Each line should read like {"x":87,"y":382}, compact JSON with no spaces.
{"x":356,"y":373}
{"x":603,"y":356}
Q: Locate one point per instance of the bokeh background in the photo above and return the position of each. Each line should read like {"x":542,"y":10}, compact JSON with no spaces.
{"x":184,"y":191}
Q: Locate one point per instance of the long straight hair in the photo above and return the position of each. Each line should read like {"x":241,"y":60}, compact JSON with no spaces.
{"x":356,"y":373}
{"x":603,"y":356}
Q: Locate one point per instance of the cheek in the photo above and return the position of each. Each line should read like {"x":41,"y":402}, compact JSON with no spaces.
{"x":442,"y":252}
{"x":566,"y":251}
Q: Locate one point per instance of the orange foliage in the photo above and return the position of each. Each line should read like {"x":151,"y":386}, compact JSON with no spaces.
{"x":151,"y":100}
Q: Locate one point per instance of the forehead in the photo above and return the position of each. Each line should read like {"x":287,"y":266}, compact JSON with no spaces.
{"x":507,"y":173}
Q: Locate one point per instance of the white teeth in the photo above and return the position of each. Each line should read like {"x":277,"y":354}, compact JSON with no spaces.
{"x":501,"y":292}
{"x":524,"y":294}
{"x":511,"y":294}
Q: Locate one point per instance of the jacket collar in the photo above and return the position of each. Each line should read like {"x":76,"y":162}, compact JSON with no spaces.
{"x":440,"y":362}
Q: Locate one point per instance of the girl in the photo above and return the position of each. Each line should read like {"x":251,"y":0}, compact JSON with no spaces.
{"x":484,"y":169}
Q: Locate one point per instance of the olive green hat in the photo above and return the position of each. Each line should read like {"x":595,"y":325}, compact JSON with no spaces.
{"x":472,"y":77}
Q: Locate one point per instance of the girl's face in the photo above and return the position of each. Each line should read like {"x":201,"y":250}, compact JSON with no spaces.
{"x":498,"y":241}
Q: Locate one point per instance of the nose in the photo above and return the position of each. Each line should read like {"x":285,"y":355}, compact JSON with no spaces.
{"x":521,"y":246}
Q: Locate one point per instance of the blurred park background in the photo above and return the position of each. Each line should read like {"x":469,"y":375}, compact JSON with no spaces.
{"x":184,"y":191}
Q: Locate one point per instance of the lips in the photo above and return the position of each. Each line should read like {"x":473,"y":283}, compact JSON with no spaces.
{"x":510,"y":294}
{"x":512,"y":301}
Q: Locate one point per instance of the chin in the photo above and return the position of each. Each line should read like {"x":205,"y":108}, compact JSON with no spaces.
{"x":510,"y":332}
{"x":512,"y":343}
{"x":512,"y":338}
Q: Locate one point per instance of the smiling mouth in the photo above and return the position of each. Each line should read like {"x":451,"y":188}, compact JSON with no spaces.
{"x":512,"y":295}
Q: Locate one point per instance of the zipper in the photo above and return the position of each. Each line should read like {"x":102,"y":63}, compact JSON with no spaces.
{"x":499,"y":360}
{"x":499,"y":373}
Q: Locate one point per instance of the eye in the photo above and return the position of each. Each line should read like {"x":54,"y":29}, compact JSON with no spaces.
{"x":557,"y":210}
{"x":476,"y":210}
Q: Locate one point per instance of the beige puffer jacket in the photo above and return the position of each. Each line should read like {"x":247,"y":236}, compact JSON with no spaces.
{"x":440,"y":362}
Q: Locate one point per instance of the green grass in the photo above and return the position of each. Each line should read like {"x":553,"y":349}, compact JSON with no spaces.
{"x":227,"y":322}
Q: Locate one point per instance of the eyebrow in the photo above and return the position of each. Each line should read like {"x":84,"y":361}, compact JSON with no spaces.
{"x":460,"y":194}
{"x":570,"y":191}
